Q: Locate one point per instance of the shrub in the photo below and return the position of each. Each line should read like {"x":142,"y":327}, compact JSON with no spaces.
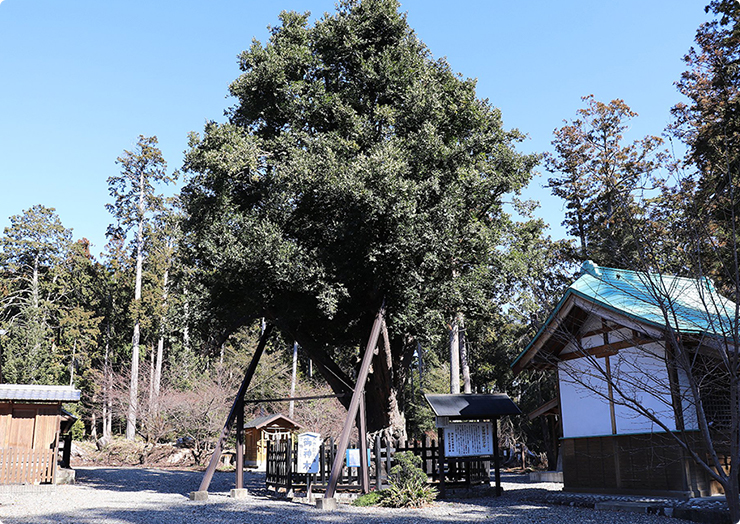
{"x":374,"y":498}
{"x":408,"y":484}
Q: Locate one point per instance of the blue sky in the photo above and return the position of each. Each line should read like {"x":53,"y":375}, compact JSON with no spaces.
{"x":80,"y":80}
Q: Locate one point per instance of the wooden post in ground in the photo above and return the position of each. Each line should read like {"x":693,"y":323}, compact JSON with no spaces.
{"x":496,"y":459}
{"x":441,"y":463}
{"x":354,"y":405}
{"x":202,"y":493}
{"x":240,"y":444}
{"x":364,"y":466}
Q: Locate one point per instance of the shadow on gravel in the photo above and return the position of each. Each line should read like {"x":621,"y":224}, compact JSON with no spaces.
{"x":170,"y":505}
{"x":161,"y":481}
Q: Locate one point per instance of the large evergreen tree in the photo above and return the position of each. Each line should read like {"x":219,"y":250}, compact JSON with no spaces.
{"x":33,"y":248}
{"x":354,"y":169}
{"x":135,"y":200}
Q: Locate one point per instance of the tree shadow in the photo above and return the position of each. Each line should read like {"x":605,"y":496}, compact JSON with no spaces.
{"x":162,"y":481}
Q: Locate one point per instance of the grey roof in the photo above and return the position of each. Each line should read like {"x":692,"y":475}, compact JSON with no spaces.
{"x":39,"y":393}
{"x":268,"y":419}
{"x":467,"y":406}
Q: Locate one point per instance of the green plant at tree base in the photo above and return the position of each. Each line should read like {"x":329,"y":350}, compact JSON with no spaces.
{"x":374,"y":498}
{"x":408,"y":484}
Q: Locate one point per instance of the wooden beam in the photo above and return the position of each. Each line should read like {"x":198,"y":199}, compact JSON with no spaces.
{"x":238,"y":401}
{"x":543,"y":338}
{"x":354,"y":404}
{"x":544,"y":409}
{"x":288,"y":399}
{"x":605,"y":350}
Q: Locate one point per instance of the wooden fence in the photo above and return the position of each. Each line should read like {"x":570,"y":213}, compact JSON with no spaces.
{"x":26,"y":466}
{"x":282,"y":459}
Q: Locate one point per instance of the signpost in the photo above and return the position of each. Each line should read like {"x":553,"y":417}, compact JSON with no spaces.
{"x":309,"y":445}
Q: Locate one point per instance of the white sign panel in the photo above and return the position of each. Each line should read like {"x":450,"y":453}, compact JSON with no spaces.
{"x":468,"y":439}
{"x":308,"y":452}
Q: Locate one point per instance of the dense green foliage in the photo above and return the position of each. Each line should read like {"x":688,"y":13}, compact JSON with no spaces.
{"x":354,"y":169}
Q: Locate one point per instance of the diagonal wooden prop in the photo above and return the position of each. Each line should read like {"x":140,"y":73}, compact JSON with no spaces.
{"x":354,"y":405}
{"x":235,"y":408}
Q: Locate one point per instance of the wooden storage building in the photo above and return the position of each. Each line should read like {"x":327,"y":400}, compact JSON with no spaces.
{"x":259,"y":431}
{"x":607,"y":342}
{"x":31,"y":420}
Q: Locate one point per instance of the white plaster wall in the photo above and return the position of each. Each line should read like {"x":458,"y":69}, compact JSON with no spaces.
{"x":585,"y":412}
{"x":641,"y":375}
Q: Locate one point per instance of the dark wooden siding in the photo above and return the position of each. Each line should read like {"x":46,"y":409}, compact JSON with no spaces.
{"x":647,"y":463}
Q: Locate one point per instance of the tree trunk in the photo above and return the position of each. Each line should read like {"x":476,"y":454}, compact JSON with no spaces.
{"x":106,"y":386}
{"x":381,"y":391}
{"x":134,"y":389}
{"x":291,"y":407}
{"x":464,"y":364}
{"x":133,"y":403}
{"x":160,"y":342}
{"x":455,"y":356}
{"x":151,"y":377}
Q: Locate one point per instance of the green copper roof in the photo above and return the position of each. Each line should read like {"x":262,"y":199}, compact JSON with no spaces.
{"x":688,"y":305}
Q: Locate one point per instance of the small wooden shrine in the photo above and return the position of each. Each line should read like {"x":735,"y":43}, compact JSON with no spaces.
{"x":260,"y":431}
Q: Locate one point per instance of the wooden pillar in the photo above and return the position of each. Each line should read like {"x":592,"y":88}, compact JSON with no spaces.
{"x":208,"y":476}
{"x":364,"y":467}
{"x":496,"y":459}
{"x":240,"y":444}
{"x":336,"y":468}
{"x":441,"y":463}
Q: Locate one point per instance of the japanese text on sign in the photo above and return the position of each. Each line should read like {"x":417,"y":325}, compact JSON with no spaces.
{"x":308,"y":452}
{"x":468,"y":439}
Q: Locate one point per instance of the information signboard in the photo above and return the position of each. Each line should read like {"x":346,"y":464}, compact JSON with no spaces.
{"x":308,"y":452}
{"x":468,"y":439}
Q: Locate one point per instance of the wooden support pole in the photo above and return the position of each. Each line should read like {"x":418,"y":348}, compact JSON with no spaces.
{"x":496,"y":459}
{"x":354,"y":404}
{"x":240,"y":444}
{"x":364,"y":466}
{"x":208,"y":476}
{"x":441,"y":463}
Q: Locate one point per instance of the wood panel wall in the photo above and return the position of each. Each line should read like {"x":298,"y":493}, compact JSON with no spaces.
{"x":647,"y":464}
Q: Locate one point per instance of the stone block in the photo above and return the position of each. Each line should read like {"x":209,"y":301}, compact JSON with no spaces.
{"x":238,"y":493}
{"x":198,"y":496}
{"x":326,"y":504}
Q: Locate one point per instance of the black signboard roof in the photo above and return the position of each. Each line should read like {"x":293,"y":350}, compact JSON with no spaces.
{"x":468,"y":406}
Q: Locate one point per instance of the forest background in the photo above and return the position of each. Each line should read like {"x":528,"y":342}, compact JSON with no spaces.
{"x":417,"y":202}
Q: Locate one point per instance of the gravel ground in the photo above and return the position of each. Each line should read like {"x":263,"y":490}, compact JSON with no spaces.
{"x":129,"y":495}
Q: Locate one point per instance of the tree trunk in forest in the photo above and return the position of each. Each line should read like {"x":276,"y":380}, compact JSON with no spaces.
{"x":151,"y":377}
{"x":160,"y":342}
{"x":464,"y":363}
{"x":134,"y":388}
{"x":107,"y":380}
{"x":291,"y":407}
{"x":133,"y":403}
{"x":455,"y":356}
